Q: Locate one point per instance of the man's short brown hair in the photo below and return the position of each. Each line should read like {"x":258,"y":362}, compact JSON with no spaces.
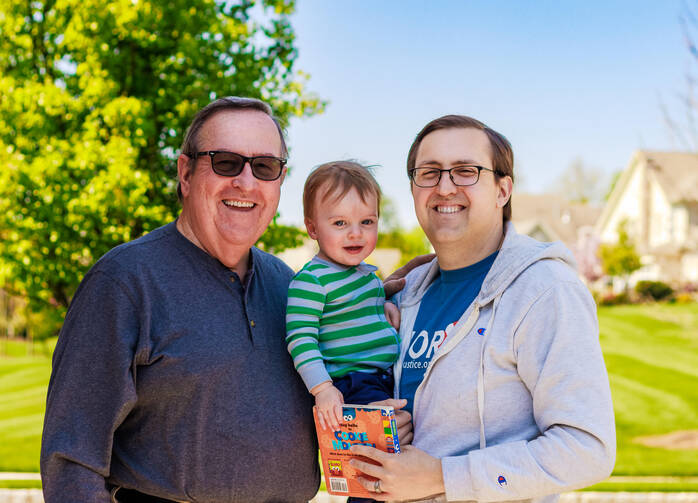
{"x":190,"y":145}
{"x":335,"y":179}
{"x":501,"y":151}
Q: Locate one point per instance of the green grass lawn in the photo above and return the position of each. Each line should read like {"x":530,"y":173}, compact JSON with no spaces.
{"x":23,"y":383}
{"x":20,"y":484}
{"x":651,"y":353}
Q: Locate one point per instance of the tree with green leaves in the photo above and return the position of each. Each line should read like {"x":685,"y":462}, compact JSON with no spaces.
{"x":391,"y":234}
{"x":95,"y":99}
{"x":620,"y":259}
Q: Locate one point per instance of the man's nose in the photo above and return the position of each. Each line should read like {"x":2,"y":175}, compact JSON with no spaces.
{"x":245,"y":179}
{"x":446,"y":185}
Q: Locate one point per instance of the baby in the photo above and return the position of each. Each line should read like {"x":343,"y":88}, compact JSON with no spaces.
{"x":342,"y":344}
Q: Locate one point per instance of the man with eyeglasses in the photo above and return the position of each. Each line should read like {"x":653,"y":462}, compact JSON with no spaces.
{"x":171,"y":379}
{"x":500,"y":360}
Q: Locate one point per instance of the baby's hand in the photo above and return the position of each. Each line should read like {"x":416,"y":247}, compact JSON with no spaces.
{"x":392,"y":314}
{"x":328,"y":400}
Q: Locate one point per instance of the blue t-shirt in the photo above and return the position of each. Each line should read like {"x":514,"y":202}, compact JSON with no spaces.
{"x":443,"y":304}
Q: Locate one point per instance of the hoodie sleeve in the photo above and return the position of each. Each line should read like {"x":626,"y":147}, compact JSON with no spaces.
{"x":559,"y":360}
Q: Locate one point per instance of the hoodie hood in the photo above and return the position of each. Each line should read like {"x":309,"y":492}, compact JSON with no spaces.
{"x":517,"y":253}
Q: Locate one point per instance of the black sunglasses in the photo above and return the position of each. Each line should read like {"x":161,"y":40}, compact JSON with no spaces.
{"x":264,"y":167}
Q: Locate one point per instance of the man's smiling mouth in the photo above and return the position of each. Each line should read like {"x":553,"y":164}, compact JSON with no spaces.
{"x":451,"y":208}
{"x":232,"y":203}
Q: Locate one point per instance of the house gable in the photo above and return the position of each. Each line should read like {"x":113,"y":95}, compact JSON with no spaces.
{"x":624,"y":203}
{"x":654,"y":194}
{"x":657,"y":195}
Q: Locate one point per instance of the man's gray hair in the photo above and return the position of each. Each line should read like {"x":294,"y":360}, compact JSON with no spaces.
{"x":190,"y":145}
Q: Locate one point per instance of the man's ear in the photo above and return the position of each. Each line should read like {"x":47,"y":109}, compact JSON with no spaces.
{"x":310,"y":227}
{"x":283,"y":174}
{"x":185,"y":170}
{"x":505,"y":186}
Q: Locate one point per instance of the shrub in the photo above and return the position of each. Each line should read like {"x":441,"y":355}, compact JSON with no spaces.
{"x":688,"y":288}
{"x":684,"y":298}
{"x":612,"y":299}
{"x":655,"y":290}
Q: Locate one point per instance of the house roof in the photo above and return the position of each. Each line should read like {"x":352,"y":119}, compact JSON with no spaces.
{"x":553,"y":214}
{"x":676,"y":173}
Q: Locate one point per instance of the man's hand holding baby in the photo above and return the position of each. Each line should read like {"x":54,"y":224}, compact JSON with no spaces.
{"x":392,"y":314}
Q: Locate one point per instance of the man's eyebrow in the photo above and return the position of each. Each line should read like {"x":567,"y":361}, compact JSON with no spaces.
{"x":459,"y":161}
{"x":257,"y":154}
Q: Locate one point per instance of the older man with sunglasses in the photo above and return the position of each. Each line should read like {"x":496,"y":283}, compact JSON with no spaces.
{"x":171,"y":379}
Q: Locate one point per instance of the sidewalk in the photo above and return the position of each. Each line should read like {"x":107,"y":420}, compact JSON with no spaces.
{"x":19,"y":476}
{"x":34,"y":496}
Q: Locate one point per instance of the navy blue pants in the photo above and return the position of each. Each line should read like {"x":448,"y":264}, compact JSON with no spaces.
{"x":362,"y":388}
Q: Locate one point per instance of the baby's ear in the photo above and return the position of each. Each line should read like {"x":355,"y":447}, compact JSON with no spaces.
{"x":310,"y":227}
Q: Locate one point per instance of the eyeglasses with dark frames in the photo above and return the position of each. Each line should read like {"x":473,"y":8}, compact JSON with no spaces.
{"x":223,"y":163}
{"x":460,"y":175}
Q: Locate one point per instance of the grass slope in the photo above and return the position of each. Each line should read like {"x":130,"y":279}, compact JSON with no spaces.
{"x":651,"y":353}
{"x":23,"y":383}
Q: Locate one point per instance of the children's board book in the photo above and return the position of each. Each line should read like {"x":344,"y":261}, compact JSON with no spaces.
{"x":362,"y":424}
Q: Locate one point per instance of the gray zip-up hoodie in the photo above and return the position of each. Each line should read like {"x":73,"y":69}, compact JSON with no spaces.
{"x":516,"y":402}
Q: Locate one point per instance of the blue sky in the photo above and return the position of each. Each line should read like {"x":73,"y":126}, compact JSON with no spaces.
{"x":561,"y":79}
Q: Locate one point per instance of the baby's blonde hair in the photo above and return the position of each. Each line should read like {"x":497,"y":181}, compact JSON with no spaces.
{"x":335,"y":179}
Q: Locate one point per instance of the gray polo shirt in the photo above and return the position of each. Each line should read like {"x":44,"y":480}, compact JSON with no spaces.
{"x":171,"y":376}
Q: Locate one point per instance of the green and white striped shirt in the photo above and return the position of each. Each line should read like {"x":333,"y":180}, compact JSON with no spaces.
{"x":335,"y":322}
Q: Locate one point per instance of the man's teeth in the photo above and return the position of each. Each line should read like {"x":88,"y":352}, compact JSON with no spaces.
{"x":448,"y":209}
{"x":238,"y":204}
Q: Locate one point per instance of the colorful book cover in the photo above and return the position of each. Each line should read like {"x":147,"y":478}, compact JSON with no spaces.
{"x":362,"y":424}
